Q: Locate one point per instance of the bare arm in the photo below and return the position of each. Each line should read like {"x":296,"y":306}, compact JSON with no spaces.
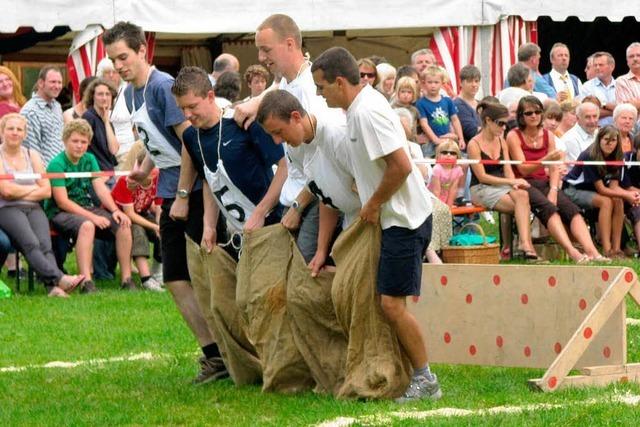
{"x":431,"y":136}
{"x":473,"y":151}
{"x":104,"y":194}
{"x":210,"y":218}
{"x":136,"y":218}
{"x":457,"y":129}
{"x":180,"y":206}
{"x":270,"y":199}
{"x":328,"y":221}
{"x":112,"y":141}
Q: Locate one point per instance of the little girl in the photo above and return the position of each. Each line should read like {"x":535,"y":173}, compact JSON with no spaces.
{"x":405,"y":96}
{"x":446,"y":178}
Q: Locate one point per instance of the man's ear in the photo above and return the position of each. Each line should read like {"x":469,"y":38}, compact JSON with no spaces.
{"x":296,"y":117}
{"x":143,"y":50}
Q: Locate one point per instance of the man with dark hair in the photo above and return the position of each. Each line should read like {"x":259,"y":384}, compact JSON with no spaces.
{"x":393,"y":194}
{"x":44,"y":115}
{"x":228,"y":87}
{"x":602,"y":86}
{"x":328,"y":172}
{"x":529,"y":55}
{"x":160,"y":124}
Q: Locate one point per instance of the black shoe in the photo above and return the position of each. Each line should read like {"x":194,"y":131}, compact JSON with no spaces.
{"x":88,"y":287}
{"x":128,"y":285}
{"x":211,"y":369}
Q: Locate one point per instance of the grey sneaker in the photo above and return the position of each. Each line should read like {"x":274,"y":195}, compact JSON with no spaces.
{"x":152,"y":285}
{"x":211,"y":369}
{"x":88,"y":287}
{"x":421,"y":388}
{"x":128,"y":285}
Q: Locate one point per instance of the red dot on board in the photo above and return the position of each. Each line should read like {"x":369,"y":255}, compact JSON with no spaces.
{"x":557,"y":348}
{"x":628,"y":276}
{"x":553,"y":382}
{"x":499,"y":341}
{"x":472,"y":350}
{"x":606,"y":352}
{"x":469,"y":298}
{"x":582,"y":304}
{"x":496,"y":280}
{"x":524,"y":298}
{"x":587,"y":333}
{"x":443,"y":280}
{"x":527,"y":351}
{"x":552,"y":281}
{"x":447,"y":337}
{"x":605,"y":275}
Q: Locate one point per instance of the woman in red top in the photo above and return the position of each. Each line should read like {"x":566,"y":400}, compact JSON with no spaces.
{"x":11,"y":97}
{"x":529,"y":141}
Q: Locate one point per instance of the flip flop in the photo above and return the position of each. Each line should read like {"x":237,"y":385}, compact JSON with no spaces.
{"x":74,"y":284}
{"x":57,"y":292}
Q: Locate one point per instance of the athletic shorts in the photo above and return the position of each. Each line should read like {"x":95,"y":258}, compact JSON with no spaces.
{"x":400,"y":267}
{"x":69,"y":224}
{"x":172,"y":240}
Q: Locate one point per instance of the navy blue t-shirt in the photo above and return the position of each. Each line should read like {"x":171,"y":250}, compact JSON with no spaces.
{"x":585,"y":177}
{"x":164,"y":113}
{"x":630,"y":174}
{"x":248,"y":156}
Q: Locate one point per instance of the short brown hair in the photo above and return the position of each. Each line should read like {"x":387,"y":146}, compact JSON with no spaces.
{"x":278,"y":104}
{"x":132,"y":35}
{"x":284,"y":26}
{"x":80,"y":126}
{"x":256,"y":70}
{"x":194,"y":79}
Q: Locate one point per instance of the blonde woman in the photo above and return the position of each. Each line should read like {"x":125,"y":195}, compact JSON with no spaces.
{"x":11,"y":97}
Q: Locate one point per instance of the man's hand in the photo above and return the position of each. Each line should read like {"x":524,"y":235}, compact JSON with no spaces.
{"x":156,"y":229}
{"x":209,"y":238}
{"x":255,"y":221}
{"x":317,"y":263}
{"x":179,"y":209}
{"x":291,"y":220}
{"x":121,"y":218}
{"x":370,"y":212}
{"x":100,"y":222}
{"x":245,"y":113}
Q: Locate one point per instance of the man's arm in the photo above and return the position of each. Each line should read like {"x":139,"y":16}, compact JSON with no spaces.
{"x":103,"y":193}
{"x":210,"y":219}
{"x":245,"y":113}
{"x":327,"y":225}
{"x":291,"y":220}
{"x":270,"y":199}
{"x":398,"y":168}
{"x":180,"y":207}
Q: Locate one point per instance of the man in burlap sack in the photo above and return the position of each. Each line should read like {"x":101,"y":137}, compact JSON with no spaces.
{"x":239,"y":183}
{"x":393,"y":195}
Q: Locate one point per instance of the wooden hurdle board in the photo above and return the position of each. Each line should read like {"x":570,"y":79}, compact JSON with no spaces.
{"x":554,"y":317}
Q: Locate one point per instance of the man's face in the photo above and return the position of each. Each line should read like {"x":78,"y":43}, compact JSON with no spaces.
{"x":602,"y":68}
{"x":201,"y":112}
{"x":633,"y":59}
{"x":127,"y":62}
{"x":560,"y":59}
{"x":51,"y":86}
{"x":423,"y":61}
{"x":291,"y":131}
{"x":330,"y":91}
{"x":75,"y":146}
{"x":273,"y":52}
{"x":588,"y":119}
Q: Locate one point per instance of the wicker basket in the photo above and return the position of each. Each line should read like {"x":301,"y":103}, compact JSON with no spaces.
{"x":487,"y":253}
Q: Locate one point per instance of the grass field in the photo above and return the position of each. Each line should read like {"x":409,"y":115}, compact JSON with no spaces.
{"x":152,"y":385}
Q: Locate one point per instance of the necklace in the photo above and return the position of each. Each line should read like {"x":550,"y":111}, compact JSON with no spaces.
{"x":531,"y":140}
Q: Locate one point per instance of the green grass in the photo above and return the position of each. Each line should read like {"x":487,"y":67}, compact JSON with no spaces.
{"x":35,"y":330}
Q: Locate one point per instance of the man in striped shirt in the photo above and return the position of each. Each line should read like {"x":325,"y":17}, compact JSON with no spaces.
{"x":44,"y":115}
{"x":628,"y":85}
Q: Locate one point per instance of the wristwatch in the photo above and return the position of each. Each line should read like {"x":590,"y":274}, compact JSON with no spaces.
{"x":182,"y":193}
{"x":296,"y":207}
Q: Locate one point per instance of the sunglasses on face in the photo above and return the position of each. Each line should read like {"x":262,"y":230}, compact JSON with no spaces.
{"x":368,"y":75}
{"x":449,"y":153}
{"x":531,"y":113}
{"x":501,"y":123}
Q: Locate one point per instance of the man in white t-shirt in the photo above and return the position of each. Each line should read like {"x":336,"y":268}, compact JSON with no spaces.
{"x":392,"y":193}
{"x":279,"y":44}
{"x":327,"y":171}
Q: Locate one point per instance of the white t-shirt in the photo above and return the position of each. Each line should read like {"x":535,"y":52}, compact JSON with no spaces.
{"x":327,"y":171}
{"x":304,"y":89}
{"x":375,"y":131}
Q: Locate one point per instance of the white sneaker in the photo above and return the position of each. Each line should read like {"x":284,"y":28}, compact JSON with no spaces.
{"x":152,"y":285}
{"x":156,"y":272}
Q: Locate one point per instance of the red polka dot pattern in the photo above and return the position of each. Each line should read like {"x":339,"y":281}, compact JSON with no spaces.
{"x":472,"y":350}
{"x":496,"y":280}
{"x":447,"y":337}
{"x":606,"y":352}
{"x":628,"y":276}
{"x":587,"y":332}
{"x":582,"y":304}
{"x":524,"y":298}
{"x":605,"y":275}
{"x":469,"y":298}
{"x":552,"y":281}
{"x":444,"y":280}
{"x":557,"y":348}
{"x":553,"y":382}
{"x":527,"y":351}
{"x":499,"y":341}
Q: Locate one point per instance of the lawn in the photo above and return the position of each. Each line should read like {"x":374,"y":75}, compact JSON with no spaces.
{"x":150,"y":384}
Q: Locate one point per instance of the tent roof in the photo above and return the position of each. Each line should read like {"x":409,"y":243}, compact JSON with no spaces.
{"x":242,"y":16}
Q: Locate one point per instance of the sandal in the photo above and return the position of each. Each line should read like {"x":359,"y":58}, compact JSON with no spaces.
{"x":602,"y":259}
{"x":69,"y":287}
{"x":584,"y":259}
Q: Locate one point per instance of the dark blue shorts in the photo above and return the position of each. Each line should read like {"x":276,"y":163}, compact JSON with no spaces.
{"x":400,"y":268}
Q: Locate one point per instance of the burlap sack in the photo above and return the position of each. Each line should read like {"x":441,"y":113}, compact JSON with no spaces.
{"x":200,"y":282}
{"x":376,"y":365}
{"x":316,"y":331}
{"x":239,"y":355}
{"x":262,"y":280}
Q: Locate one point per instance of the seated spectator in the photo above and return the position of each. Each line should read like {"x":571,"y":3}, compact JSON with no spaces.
{"x":98,"y":98}
{"x":387,"y":77}
{"x":631,"y":181}
{"x":405,"y":96}
{"x":551,"y":117}
{"x":624,"y":119}
{"x":256,"y":77}
{"x":569,"y":117}
{"x":11,"y":97}
{"x":466,"y":102}
{"x":521,"y":81}
{"x":228,"y":87}
{"x":590,"y":187}
{"x":580,"y":136}
{"x":368,"y":72}
{"x":438,"y":114}
{"x":446,"y":177}
{"x":80,"y":108}
{"x":530,"y":141}
{"x":21,"y":216}
{"x":140,"y":204}
{"x":72,"y":211}
{"x":495,"y":187}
